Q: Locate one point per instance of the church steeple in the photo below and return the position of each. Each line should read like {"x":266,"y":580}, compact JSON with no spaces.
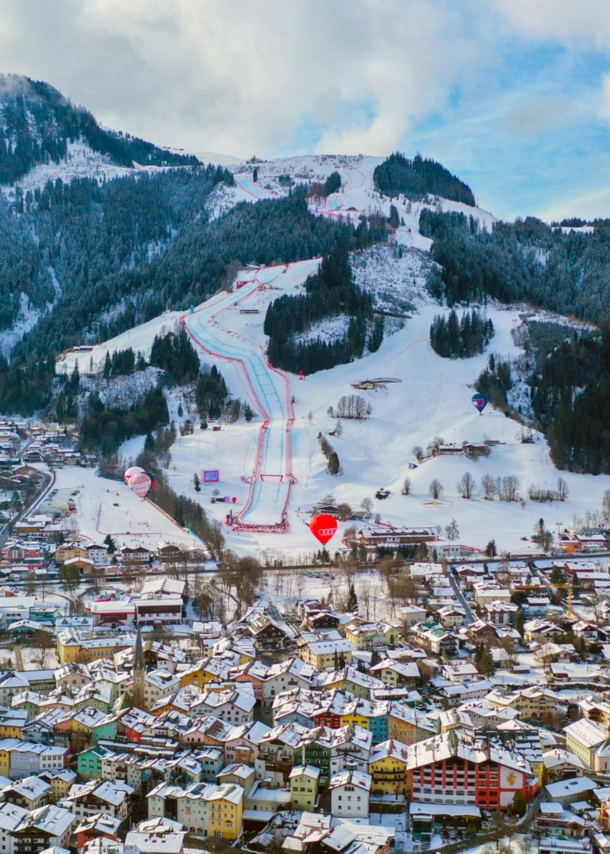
{"x":139,"y":673}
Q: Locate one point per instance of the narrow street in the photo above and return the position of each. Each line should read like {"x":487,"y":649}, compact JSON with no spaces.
{"x":460,"y":597}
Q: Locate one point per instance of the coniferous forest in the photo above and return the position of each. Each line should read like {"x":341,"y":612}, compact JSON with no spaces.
{"x":571,"y":401}
{"x":417,"y":178}
{"x":328,"y":293}
{"x":468,"y":336}
{"x":525,"y":260}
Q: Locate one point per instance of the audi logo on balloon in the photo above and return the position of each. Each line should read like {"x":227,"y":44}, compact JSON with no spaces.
{"x":323,"y":527}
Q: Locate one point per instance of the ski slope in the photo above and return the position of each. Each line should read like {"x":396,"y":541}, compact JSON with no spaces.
{"x":357,"y":195}
{"x":432,"y":398}
{"x":269,"y":391}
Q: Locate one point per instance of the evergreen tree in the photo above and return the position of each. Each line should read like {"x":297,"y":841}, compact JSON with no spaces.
{"x":352,"y":599}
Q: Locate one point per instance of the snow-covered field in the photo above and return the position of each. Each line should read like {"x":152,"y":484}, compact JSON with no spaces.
{"x":110,"y":507}
{"x":431,"y":399}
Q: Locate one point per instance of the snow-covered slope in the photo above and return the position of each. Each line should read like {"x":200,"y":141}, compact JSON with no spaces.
{"x":357,"y":194}
{"x":81,"y":161}
{"x":431,"y":399}
{"x":140,"y":339}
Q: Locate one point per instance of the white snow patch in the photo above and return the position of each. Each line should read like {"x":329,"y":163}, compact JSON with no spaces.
{"x":330,"y":329}
{"x":26,"y":319}
{"x":110,"y":507}
{"x":140,"y":339}
{"x":81,"y":161}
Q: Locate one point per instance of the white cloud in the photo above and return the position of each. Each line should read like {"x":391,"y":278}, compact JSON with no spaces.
{"x":604,"y":109}
{"x":244,"y":76}
{"x":470,"y":83}
{"x":564,"y":21}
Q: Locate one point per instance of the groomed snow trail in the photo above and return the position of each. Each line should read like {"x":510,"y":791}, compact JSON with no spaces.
{"x":269,"y":391}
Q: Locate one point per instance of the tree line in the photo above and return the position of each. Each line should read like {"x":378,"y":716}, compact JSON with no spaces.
{"x":525,"y":260}
{"x":571,"y":401}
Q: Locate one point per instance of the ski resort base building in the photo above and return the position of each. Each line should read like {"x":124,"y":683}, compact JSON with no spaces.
{"x":446,"y":769}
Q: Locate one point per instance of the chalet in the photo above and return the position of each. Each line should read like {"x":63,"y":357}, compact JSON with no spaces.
{"x":267,"y":633}
{"x":136,"y":555}
{"x":389,"y":536}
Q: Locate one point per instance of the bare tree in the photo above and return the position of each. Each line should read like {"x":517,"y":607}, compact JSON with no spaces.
{"x":353,"y":406}
{"x":435,"y":445}
{"x":466,"y":485}
{"x":406,"y":486}
{"x":545,"y":537}
{"x":300,"y":574}
{"x":367,"y":507}
{"x":364,"y":597}
{"x":338,"y":428}
{"x":562,"y":489}
{"x":436,"y":489}
{"x":606,"y":505}
{"x":510,"y":487}
{"x":418,"y":453}
{"x":489,"y":487}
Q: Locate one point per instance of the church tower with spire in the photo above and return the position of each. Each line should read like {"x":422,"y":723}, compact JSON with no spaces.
{"x":139,"y":673}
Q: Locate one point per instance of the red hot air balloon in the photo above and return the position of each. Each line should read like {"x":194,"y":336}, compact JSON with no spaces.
{"x":323,"y":527}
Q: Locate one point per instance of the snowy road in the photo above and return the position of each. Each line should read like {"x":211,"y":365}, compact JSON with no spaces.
{"x":268,"y":390}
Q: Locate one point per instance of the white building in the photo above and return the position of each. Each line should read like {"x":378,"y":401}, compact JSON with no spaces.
{"x":350,"y":793}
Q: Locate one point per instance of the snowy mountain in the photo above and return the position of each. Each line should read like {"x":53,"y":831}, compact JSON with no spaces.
{"x":39,"y":126}
{"x":357,"y":196}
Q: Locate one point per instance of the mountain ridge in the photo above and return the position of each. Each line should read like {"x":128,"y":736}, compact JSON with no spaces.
{"x":37,"y":122}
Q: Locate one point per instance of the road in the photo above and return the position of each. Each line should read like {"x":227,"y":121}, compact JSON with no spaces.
{"x":461,"y":599}
{"x":48,"y":481}
{"x":269,"y":391}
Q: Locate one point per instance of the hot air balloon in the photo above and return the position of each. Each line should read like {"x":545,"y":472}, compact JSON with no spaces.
{"x":141,"y":483}
{"x":323,"y":527}
{"x":132,"y":470}
{"x":480,"y":401}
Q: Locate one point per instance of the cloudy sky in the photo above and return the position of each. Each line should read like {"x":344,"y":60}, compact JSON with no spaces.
{"x":512,"y":95}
